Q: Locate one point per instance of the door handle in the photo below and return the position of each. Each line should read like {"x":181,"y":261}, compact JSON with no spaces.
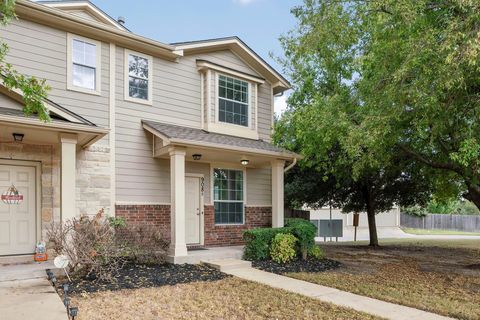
{"x":198,"y":211}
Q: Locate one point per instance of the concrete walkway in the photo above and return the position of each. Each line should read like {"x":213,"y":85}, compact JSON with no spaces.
{"x":25,"y":293}
{"x":360,"y":303}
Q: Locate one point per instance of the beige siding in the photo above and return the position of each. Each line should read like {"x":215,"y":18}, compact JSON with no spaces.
{"x":41,"y":51}
{"x":176,"y":100}
{"x":259,"y":187}
{"x":7,"y":102}
{"x":265,"y":112}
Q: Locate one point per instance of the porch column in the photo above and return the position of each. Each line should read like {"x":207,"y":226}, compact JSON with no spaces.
{"x":178,"y":245}
{"x":277,"y":193}
{"x":68,"y":146}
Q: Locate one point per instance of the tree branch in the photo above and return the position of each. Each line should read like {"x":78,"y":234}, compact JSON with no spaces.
{"x":434,"y":164}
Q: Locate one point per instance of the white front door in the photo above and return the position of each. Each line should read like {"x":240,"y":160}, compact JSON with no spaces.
{"x":17,"y":221}
{"x":192,"y":210}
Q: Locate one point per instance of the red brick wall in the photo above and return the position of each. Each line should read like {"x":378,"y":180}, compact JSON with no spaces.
{"x":230,"y":235}
{"x":215,"y":235}
{"x":158,"y":215}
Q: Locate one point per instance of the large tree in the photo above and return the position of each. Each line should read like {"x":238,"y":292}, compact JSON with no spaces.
{"x":326,"y":174}
{"x":34,"y":90}
{"x":413,"y":68}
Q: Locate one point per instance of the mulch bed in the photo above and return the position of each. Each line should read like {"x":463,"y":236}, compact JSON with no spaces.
{"x":133,"y":276}
{"x":309,"y":265}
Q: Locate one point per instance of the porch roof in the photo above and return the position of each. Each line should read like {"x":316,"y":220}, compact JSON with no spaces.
{"x":174,"y":134}
{"x":13,"y":119}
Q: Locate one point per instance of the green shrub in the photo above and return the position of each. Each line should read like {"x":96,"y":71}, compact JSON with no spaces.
{"x":283,"y":248}
{"x":258,"y":241}
{"x":305,"y":232}
{"x":316,"y":253}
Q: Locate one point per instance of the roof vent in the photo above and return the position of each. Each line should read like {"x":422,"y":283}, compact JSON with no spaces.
{"x":121,"y":20}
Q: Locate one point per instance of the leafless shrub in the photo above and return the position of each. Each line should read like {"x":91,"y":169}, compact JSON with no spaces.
{"x":99,"y":247}
{"x":144,"y":243}
{"x":90,"y":244}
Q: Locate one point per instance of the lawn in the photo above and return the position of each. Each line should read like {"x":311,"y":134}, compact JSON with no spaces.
{"x":229,"y":298}
{"x":437,"y":276}
{"x":439,"y":232}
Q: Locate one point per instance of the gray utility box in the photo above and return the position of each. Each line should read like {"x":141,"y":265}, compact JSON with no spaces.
{"x":330,"y":228}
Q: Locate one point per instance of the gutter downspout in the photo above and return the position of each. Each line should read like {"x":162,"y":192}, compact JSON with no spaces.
{"x":291,"y":165}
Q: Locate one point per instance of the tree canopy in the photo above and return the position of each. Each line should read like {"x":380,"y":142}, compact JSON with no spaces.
{"x":391,"y":85}
{"x":34,"y":90}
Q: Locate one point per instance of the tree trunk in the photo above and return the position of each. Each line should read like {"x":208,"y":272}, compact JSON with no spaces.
{"x":473,"y":194}
{"x":372,"y":226}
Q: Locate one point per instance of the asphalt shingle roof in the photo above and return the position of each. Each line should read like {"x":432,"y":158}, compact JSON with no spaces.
{"x":198,"y":135}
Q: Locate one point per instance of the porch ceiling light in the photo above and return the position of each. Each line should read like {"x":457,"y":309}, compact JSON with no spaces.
{"x":18,"y":137}
{"x":244,"y":162}
{"x":197,"y":156}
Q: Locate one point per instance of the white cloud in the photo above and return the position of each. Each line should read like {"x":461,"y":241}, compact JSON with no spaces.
{"x":244,"y":2}
{"x":280,"y":104}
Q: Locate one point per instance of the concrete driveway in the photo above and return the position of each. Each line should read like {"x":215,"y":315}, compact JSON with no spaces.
{"x":391,"y":233}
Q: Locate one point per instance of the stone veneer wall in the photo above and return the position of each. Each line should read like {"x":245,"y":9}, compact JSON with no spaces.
{"x":231,"y":235}
{"x":49,"y":158}
{"x":93,"y":180}
{"x":215,"y":235}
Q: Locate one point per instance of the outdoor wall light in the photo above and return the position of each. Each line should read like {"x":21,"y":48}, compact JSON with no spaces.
{"x":18,"y":137}
{"x":197,"y":156}
{"x":244,"y":162}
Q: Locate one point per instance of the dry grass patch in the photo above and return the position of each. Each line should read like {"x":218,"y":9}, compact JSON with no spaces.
{"x":439,"y":277}
{"x":230,"y":298}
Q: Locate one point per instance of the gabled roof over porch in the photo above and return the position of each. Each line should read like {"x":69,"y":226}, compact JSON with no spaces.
{"x":198,"y":139}
{"x":13,"y":120}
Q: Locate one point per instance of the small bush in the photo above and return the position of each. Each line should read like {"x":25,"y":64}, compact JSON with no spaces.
{"x":258,"y":241}
{"x":283,"y":248}
{"x":90,"y":244}
{"x":305,"y":232}
{"x":144,"y":244}
{"x":316,"y":253}
{"x":100,"y":246}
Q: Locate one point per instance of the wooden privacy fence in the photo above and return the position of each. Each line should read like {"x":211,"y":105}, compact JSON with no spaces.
{"x":467,"y":223}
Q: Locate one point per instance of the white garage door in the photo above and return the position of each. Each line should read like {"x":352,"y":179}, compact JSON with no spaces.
{"x":17,"y":221}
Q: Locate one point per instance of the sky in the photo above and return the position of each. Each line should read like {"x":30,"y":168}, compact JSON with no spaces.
{"x":259,"y":23}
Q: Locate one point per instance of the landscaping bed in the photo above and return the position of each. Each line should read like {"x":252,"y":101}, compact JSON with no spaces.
{"x":299,"y":265}
{"x":132,"y":276}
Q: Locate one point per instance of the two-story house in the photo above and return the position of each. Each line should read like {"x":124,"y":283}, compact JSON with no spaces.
{"x":176,"y":135}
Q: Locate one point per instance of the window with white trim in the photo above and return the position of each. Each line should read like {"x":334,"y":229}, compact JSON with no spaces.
{"x":83,"y":64}
{"x":233,"y":101}
{"x":228,"y":196}
{"x":138,"y":77}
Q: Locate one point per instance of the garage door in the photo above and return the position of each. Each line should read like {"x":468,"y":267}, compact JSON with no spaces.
{"x":17,"y":221}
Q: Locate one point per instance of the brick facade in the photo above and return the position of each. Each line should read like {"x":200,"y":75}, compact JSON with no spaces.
{"x":158,"y":215}
{"x":215,"y":235}
{"x":231,"y":235}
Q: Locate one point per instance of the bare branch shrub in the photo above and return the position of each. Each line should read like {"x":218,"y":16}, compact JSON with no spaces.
{"x":144,"y":243}
{"x":90,"y":244}
{"x":99,"y":247}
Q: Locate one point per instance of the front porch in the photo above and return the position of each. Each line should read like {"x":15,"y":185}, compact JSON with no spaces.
{"x":220,"y":186}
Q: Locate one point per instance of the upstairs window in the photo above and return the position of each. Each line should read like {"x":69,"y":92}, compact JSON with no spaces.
{"x":84,"y":64}
{"x":233,"y":101}
{"x":138,"y":77}
{"x":228,"y":196}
